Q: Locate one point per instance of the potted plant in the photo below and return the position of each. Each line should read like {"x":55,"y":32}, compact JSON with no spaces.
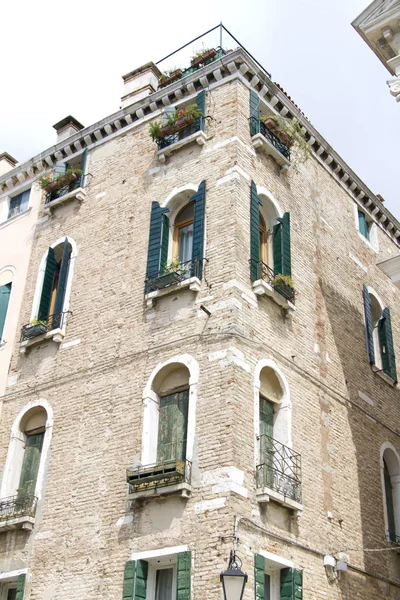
{"x":53,"y":184}
{"x":169,"y":77}
{"x":202,"y":56}
{"x":284,"y":285}
{"x":36,"y":327}
{"x":179,"y":119}
{"x":290,"y":132}
{"x":155,"y":130}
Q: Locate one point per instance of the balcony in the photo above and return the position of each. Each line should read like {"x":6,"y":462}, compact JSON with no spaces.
{"x":278,"y":474}
{"x":180,"y":136}
{"x":263,"y":137}
{"x":269,"y":284}
{"x":173,"y":476}
{"x":64,"y":193}
{"x":186,"y":275}
{"x":17,"y":512}
{"x":196,"y":64}
{"x":38,"y":331}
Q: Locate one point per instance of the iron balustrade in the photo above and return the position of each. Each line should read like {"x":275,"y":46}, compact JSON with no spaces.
{"x":163,"y":474}
{"x":65,"y":189}
{"x":163,"y":279}
{"x":279,"y":468}
{"x":220,"y":52}
{"x":181,"y":134}
{"x":17,"y":506}
{"x":258,"y":126}
{"x":267,"y":274}
{"x":32,"y":330}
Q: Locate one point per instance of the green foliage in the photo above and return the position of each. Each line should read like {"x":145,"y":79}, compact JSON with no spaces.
{"x":198,"y":53}
{"x":36,"y":321}
{"x":167,"y":73}
{"x":301,"y":151}
{"x":190,"y":112}
{"x":43,"y":181}
{"x":285,"y":279}
{"x":154,"y":130}
{"x":174,"y":265}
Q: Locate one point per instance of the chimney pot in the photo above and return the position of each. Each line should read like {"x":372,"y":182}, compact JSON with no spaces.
{"x":7,"y":162}
{"x":140,"y":83}
{"x":67,"y":127}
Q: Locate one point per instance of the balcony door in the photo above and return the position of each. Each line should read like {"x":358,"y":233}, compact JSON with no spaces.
{"x":30,"y":465}
{"x":172,"y":427}
{"x":266,"y":440}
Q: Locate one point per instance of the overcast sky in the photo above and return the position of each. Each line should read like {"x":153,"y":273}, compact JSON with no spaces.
{"x":61,"y":59}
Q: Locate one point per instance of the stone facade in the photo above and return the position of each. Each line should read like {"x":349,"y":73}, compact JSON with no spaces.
{"x":85,"y":528}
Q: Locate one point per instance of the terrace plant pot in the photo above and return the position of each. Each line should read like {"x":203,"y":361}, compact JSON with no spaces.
{"x":200,"y":60}
{"x":174,"y":76}
{"x":166,"y":131}
{"x":284,"y":137}
{"x":35,"y":330}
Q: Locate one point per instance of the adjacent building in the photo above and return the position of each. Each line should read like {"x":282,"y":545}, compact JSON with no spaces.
{"x":207,"y":355}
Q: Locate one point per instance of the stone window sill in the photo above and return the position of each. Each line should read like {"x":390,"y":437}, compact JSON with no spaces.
{"x":193,"y":283}
{"x":78,"y":194}
{"x":26,"y":523}
{"x":383,"y":376}
{"x":368,"y":243}
{"x":57,"y":335}
{"x":262,"y":288}
{"x":198,"y":136}
{"x":266,"y":494}
{"x":259,"y":141}
{"x":183,"y":490}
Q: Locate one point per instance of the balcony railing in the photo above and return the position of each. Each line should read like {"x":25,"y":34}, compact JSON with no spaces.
{"x":55,"y":321}
{"x":220,"y":52}
{"x":258,"y":126}
{"x":181,"y":134}
{"x":65,"y":189}
{"x":279,"y":468}
{"x":14,"y":507}
{"x":166,"y":473}
{"x":267,"y":274}
{"x":185,"y":270}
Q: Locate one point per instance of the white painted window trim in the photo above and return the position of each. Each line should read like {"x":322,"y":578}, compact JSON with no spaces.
{"x":6,"y":203}
{"x":40,"y":277}
{"x":373,"y":242}
{"x":375,"y":336}
{"x":266,"y":196}
{"x":163,"y":558}
{"x":13,"y":271}
{"x":15,"y":452}
{"x":148,"y":554}
{"x":151,"y":410}
{"x":276,"y":563}
{"x":395,"y":479}
{"x":152,"y":575}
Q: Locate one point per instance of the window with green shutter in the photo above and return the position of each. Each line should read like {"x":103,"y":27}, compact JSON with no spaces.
{"x":158,"y":241}
{"x":20,"y":594}
{"x":172,"y":427}
{"x":291,"y":584}
{"x":255,"y":203}
{"x":55,"y":284}
{"x":135,"y":580}
{"x":281,"y":245}
{"x":5,"y":292}
{"x":30,"y":465}
{"x":389,"y":503}
{"x":199,"y":200}
{"x":363,"y":224}
{"x":386,"y":345}
{"x":164,"y":585}
{"x":183,"y":576}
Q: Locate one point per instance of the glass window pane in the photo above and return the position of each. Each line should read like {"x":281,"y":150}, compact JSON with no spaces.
{"x":12,"y":594}
{"x":267,"y":587}
{"x":164,"y":584}
{"x":185,"y":243}
{"x":186,"y":214}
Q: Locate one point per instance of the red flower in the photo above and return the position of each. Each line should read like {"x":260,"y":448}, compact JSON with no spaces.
{"x":181,"y":113}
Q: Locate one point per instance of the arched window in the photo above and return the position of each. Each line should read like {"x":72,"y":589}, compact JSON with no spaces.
{"x":390,"y":465}
{"x":379,"y":334}
{"x":183,"y":234}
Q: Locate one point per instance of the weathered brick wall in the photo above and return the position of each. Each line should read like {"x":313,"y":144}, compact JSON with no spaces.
{"x":84,"y":530}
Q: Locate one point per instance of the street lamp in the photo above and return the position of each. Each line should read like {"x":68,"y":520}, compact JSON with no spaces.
{"x":233,"y":580}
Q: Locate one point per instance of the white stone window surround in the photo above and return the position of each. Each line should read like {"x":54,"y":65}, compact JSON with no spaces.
{"x":273,"y":565}
{"x":13,"y":273}
{"x":373,"y":242}
{"x":389,"y":452}
{"x":6,"y":203}
{"x":377,"y":349}
{"x":151,"y":410}
{"x":15,"y":454}
{"x":159,"y":559}
{"x":8,"y":581}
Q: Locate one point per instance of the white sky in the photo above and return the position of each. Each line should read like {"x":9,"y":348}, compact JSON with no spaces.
{"x":61,"y":59}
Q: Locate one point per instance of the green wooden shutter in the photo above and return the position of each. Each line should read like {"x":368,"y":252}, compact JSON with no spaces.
{"x":172,"y":427}
{"x":266,"y":412}
{"x":154,"y":251}
{"x":20,"y":587}
{"x":47,"y":288}
{"x":254,"y":113}
{"x":362,"y":224}
{"x":259,"y":579}
{"x":5,"y":291}
{"x":30,"y":465}
{"x":183,"y":564}
{"x":61,"y":285}
{"x":281,"y":245}
{"x":201,"y":105}
{"x":291,"y":584}
{"x":386,"y":344}
{"x":60,"y":169}
{"x":389,"y":503}
{"x":369,"y":329}
{"x":199,"y":199}
{"x":164,"y":242}
{"x":83,"y":166}
{"x":254,"y":231}
{"x":135,"y":580}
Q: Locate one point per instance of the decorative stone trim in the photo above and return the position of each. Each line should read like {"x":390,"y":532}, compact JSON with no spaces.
{"x":198,"y":136}
{"x":26,"y":523}
{"x":193,"y":283}
{"x":78,"y":194}
{"x":262,"y":288}
{"x":57,"y":335}
{"x":184,"y":490}
{"x":259,"y":141}
{"x":266,"y":494}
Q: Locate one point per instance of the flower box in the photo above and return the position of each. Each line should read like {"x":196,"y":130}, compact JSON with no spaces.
{"x":174,"y":76}
{"x":32,"y":331}
{"x":273,"y":126}
{"x":199,"y":60}
{"x":284,"y":290}
{"x":60,"y":182}
{"x":180,"y":124}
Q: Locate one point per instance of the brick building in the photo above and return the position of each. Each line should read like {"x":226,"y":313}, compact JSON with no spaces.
{"x":207,"y":357}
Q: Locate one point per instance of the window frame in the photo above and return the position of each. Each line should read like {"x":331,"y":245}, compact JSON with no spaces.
{"x":20,"y":212}
{"x":372,"y":242}
{"x":275,"y":564}
{"x":176,"y":229}
{"x":163,"y":557}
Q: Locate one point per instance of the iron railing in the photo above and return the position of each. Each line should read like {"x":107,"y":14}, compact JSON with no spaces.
{"x":55,"y":321}
{"x":258,"y":126}
{"x":163,"y":279}
{"x":65,"y":189}
{"x":198,"y":125}
{"x":279,"y":468}
{"x":267,"y":274}
{"x":17,"y":506}
{"x":190,"y":70}
{"x":163,"y":474}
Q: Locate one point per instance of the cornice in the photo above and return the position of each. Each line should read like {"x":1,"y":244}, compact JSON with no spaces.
{"x":235,"y":63}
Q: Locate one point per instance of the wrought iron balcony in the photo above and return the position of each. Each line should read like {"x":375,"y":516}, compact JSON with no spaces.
{"x":279,"y":468}
{"x":267,"y":274}
{"x":169,"y":472}
{"x":15,"y":507}
{"x":181,"y":134}
{"x":65,"y":189}
{"x":163,"y":279}
{"x":258,"y":126}
{"x":30,"y":330}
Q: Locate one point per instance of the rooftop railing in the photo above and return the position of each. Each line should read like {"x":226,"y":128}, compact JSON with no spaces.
{"x":185,"y":270}
{"x":192,"y":69}
{"x":65,"y":189}
{"x":258,"y":126}
{"x":279,"y":468}
{"x":270,"y":276}
{"x":14,"y":507}
{"x":38,"y":327}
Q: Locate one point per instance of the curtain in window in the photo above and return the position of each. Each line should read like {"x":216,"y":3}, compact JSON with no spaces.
{"x":164,"y":584}
{"x":185,"y":243}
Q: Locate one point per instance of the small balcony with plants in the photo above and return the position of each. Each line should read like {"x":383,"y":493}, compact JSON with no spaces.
{"x":41,"y":330}
{"x":17,"y":512}
{"x":277,"y":286}
{"x":65,"y":184}
{"x":199,"y":59}
{"x":174,"y":276}
{"x":181,"y":126}
{"x":278,"y":474}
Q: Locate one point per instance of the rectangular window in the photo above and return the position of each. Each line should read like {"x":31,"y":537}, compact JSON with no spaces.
{"x":164,"y":584}
{"x":18,"y":204}
{"x":363,"y":224}
{"x":12,"y":594}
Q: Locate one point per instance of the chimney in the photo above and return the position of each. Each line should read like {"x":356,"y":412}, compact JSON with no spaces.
{"x":380,"y":198}
{"x":7,"y":162}
{"x":67,"y":127}
{"x":140,"y":83}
